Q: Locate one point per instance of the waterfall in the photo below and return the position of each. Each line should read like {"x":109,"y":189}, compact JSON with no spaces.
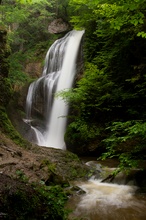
{"x":46,"y":113}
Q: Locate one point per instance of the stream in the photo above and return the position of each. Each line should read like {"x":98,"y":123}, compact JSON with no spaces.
{"x":107,"y":201}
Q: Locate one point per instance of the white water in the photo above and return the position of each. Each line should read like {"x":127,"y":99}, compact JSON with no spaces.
{"x":105,"y":201}
{"x":58,"y":74}
{"x":105,"y":194}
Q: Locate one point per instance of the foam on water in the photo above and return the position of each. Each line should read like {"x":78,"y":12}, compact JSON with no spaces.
{"x":105,"y":201}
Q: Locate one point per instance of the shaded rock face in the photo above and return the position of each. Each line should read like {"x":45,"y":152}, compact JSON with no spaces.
{"x":58,"y":26}
{"x":34,"y":69}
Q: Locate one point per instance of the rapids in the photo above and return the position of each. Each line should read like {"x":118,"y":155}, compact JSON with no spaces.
{"x":107,"y":201}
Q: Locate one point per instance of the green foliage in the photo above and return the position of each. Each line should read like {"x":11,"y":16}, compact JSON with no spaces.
{"x":91,"y":101}
{"x":117,"y":14}
{"x":55,"y":199}
{"x":92,"y":92}
{"x":21,"y":176}
{"x":104,"y":20}
{"x":27,"y":27}
{"x":51,"y":166}
{"x":142,"y":34}
{"x":127,"y":141}
{"x":28,"y":1}
{"x":17,"y":76}
{"x":5,"y":91}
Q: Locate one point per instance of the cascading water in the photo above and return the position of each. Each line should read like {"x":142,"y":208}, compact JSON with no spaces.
{"x":45,"y":113}
{"x":98,"y":200}
{"x":105,"y":201}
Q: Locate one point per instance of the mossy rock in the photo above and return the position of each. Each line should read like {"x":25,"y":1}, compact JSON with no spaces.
{"x":7,"y":128}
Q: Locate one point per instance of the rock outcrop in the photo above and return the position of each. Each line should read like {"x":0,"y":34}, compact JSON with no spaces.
{"x":58,"y":26}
